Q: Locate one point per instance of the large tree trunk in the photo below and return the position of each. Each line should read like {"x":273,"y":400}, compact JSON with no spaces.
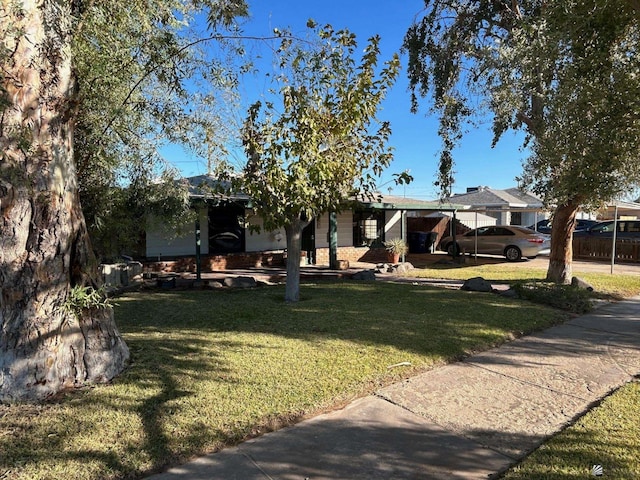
{"x":44,"y":246}
{"x":562,"y":226}
{"x":293,"y":231}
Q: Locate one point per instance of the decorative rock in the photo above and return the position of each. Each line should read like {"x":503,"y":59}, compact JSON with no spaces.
{"x":580,"y":283}
{"x":510,"y":293}
{"x":404,"y":267}
{"x":366,"y":275}
{"x":342,"y":264}
{"x":167,"y":284}
{"x":476,"y":284}
{"x":240,"y":282}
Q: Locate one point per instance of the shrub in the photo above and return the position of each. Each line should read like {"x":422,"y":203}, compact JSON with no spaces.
{"x":565,"y":297}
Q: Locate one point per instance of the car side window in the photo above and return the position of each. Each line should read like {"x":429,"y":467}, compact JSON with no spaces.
{"x":501,"y":231}
{"x":633,"y":227}
{"x":482,"y":231}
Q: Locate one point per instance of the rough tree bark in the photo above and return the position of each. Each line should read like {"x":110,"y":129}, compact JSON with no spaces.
{"x":561,"y":257}
{"x":44,"y":246}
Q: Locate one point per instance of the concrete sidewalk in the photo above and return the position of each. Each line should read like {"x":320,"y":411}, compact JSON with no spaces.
{"x":467,"y":420}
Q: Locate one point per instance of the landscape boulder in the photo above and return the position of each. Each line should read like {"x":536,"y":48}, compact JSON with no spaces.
{"x":580,"y":283}
{"x":476,"y":284}
{"x":240,"y":282}
{"x":366,"y":275}
{"x":401,"y":268}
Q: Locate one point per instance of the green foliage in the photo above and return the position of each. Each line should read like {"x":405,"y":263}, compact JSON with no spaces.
{"x":564,"y":297}
{"x":120,"y":216}
{"x":320,"y":142}
{"x":143,"y":80}
{"x":85,"y":298}
{"x":567,"y":73}
{"x":396,"y":246}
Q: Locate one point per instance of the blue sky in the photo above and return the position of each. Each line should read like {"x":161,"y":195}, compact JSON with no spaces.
{"x":414,"y":136}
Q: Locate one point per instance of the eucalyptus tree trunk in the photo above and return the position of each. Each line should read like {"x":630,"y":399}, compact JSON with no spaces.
{"x":44,"y":246}
{"x":293,"y":231}
{"x":561,"y":257}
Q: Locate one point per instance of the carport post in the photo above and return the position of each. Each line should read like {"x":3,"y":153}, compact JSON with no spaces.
{"x":333,"y":240}
{"x":198,"y":273}
{"x":453,"y":234}
{"x":615,"y":231}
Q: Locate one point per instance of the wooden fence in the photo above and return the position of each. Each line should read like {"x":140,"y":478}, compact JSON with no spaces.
{"x":589,"y":248}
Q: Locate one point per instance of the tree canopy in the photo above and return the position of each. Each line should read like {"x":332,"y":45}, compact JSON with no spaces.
{"x":320,"y":141}
{"x":566,"y":73}
{"x":148,"y":75}
{"x":86,"y":90}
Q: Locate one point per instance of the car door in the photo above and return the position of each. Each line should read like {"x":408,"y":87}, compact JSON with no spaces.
{"x":498,"y":238}
{"x":468,"y":240}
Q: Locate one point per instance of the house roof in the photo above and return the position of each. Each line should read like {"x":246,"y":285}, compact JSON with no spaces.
{"x":392,"y":202}
{"x":208,"y":187}
{"x":485,"y":197}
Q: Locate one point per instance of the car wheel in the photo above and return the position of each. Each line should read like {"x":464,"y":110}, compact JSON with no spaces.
{"x":512,"y":253}
{"x":452,"y":249}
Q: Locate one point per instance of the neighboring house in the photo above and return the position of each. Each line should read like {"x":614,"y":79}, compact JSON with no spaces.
{"x":228,"y":237}
{"x":508,"y":207}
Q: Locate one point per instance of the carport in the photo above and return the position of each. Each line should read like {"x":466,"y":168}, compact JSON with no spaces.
{"x":620,"y":208}
{"x":404,"y":205}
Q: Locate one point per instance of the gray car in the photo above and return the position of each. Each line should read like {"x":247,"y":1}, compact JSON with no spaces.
{"x":513,"y":242}
{"x":625,"y":229}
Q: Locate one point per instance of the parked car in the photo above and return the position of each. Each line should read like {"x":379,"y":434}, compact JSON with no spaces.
{"x":625,"y":229}
{"x":544,"y":226}
{"x":512,"y":241}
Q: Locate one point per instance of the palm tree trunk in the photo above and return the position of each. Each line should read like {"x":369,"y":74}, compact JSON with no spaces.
{"x":44,"y":245}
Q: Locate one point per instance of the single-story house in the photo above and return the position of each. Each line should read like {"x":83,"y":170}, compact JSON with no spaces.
{"x":228,"y":237}
{"x":508,"y":207}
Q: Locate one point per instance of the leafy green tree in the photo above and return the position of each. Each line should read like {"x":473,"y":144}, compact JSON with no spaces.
{"x":566,"y":73}
{"x":322,"y":143}
{"x":100,"y":69}
{"x":147,"y":76}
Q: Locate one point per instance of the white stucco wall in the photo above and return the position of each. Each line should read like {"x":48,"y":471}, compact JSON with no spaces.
{"x":263,"y":241}
{"x":161,"y":244}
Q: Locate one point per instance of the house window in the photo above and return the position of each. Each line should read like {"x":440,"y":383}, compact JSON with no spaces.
{"x":368,"y":227}
{"x":226,"y":228}
{"x":516,"y":218}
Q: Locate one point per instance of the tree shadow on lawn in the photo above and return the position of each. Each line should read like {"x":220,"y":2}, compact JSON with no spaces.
{"x":418,"y":319}
{"x":68,"y":436}
{"x":178,"y":340}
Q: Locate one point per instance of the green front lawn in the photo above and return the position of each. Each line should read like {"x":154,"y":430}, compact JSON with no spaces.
{"x":210,"y":368}
{"x":609,"y":436}
{"x":613,"y":286}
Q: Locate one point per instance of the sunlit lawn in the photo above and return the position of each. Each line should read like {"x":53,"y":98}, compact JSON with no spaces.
{"x":609,"y":436}
{"x":617,"y":285}
{"x":210,"y":368}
